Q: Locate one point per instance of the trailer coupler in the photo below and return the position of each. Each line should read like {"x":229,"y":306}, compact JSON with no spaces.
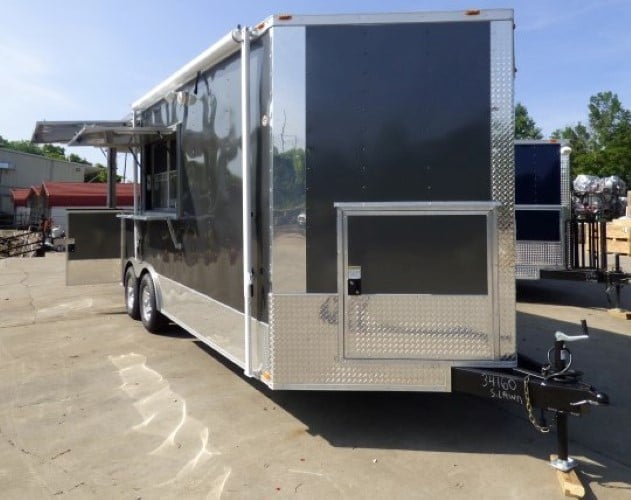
{"x":552,"y":387}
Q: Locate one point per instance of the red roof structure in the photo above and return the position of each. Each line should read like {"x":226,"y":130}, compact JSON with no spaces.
{"x":19,"y":196}
{"x":85,"y":194}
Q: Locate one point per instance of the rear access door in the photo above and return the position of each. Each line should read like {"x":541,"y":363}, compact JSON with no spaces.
{"x":417,"y":280}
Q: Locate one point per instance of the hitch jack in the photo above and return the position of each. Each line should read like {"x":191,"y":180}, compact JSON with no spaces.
{"x":552,"y":387}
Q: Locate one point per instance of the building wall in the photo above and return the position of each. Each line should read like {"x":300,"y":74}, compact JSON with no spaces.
{"x":26,"y":170}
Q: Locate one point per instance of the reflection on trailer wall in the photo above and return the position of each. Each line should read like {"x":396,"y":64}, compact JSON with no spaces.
{"x":208,"y":199}
{"x":375,"y":136}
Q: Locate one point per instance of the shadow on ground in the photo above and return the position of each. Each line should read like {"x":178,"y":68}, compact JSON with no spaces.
{"x":462,"y":423}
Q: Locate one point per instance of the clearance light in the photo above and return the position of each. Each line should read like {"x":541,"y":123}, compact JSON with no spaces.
{"x":285,"y":17}
{"x":473,"y":12}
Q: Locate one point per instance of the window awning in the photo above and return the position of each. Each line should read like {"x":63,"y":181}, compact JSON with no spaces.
{"x":118,"y":137}
{"x":63,"y":131}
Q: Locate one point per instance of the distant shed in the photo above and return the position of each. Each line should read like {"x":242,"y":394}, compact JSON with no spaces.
{"x":52,"y":199}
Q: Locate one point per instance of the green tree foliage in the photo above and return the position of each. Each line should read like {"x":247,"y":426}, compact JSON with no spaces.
{"x":603,"y":146}
{"x":23,"y":147}
{"x":77,"y":159}
{"x":525,"y":127}
{"x":54,"y":152}
{"x":47,"y":150}
{"x":100,"y":175}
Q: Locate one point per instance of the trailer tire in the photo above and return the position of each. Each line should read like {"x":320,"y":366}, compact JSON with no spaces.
{"x":151,"y":318}
{"x":131,"y":294}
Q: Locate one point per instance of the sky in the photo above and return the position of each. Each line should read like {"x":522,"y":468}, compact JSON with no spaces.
{"x":90,"y":59}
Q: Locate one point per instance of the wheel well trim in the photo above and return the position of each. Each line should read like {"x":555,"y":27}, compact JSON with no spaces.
{"x":140,"y":269}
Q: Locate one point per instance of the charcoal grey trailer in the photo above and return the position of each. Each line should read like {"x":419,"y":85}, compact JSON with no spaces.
{"x":328,"y":202}
{"x":390,"y":136}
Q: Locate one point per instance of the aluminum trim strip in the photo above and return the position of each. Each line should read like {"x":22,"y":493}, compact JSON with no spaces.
{"x":541,"y":141}
{"x":287,"y":129}
{"x":386,"y":18}
{"x":360,"y":388}
{"x":149,"y":216}
{"x":539,"y":207}
{"x":503,"y":176}
{"x":467,"y":206}
{"x":203,"y":339}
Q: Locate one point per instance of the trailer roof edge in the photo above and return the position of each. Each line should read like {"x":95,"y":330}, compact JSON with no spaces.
{"x":227,"y":45}
{"x":213,"y":54}
{"x":384,"y":18}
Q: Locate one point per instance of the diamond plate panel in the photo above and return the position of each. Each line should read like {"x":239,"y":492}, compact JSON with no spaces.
{"x":566,"y":199}
{"x":503,"y":176}
{"x":544,"y":253}
{"x":439,"y":327}
{"x":527,"y":272}
{"x":304,"y":347}
{"x":532,"y":256}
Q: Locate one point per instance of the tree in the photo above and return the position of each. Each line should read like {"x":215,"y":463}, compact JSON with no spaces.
{"x":603,"y":146}
{"x":77,"y":159}
{"x":24,"y":147}
{"x":525,"y":127}
{"x":100,"y":175}
{"x":54,"y":152}
{"x":47,"y":150}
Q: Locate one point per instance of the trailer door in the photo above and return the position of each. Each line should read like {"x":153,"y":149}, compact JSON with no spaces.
{"x":416,"y":280}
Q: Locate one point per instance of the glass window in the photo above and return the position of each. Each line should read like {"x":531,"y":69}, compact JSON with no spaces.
{"x":161,"y":175}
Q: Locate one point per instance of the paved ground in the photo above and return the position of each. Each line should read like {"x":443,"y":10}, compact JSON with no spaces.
{"x":92,"y":406}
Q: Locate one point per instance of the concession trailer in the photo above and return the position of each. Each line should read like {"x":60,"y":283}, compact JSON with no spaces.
{"x":543,"y":206}
{"x":404,"y":265}
{"x":328,"y":202}
{"x":561,"y":227}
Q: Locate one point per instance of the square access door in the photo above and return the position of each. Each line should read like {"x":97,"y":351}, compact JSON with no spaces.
{"x":418,"y":280}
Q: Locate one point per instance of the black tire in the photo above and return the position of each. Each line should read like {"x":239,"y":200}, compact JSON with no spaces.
{"x":132,"y":304}
{"x":153,"y":320}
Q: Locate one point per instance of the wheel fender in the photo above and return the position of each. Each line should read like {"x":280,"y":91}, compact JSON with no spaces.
{"x":141,"y":268}
{"x":155,"y":277}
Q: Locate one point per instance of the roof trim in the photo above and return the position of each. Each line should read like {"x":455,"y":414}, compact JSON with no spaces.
{"x":217,"y":52}
{"x":471,"y":15}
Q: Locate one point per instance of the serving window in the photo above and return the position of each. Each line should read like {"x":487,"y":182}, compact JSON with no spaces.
{"x":161,"y":167}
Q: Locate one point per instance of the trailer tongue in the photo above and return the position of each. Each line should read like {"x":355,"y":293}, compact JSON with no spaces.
{"x":553,"y":387}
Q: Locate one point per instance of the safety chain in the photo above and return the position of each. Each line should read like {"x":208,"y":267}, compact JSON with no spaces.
{"x":541,"y":428}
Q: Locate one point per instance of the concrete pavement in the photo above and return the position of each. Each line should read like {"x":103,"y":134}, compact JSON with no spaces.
{"x":93,"y":406}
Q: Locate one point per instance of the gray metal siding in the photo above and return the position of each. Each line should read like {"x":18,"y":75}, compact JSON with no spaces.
{"x":394,"y":113}
{"x":210,"y":229}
